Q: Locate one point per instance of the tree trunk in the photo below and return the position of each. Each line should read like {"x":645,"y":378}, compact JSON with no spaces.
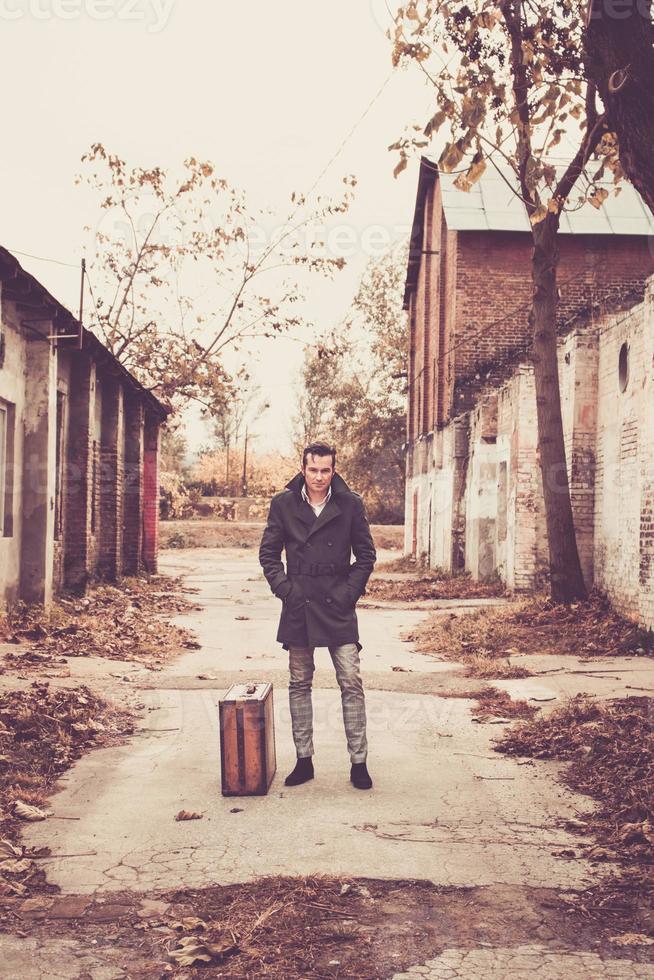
{"x":618,"y":39}
{"x":566,"y":579}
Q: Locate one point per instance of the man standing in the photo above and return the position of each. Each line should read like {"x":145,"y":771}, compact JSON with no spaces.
{"x":320,"y":522}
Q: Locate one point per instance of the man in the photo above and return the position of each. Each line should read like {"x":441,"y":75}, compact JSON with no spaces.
{"x":320,"y":522}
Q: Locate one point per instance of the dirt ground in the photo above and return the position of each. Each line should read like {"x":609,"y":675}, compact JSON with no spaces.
{"x":377,"y":929}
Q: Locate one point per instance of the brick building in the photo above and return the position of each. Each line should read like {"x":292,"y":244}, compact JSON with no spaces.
{"x":474,"y":497}
{"x":79,"y":442}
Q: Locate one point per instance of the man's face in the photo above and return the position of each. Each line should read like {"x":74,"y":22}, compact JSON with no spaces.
{"x":318,"y":473}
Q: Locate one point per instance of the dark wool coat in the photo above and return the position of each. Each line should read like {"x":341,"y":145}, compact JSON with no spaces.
{"x":320,"y":586}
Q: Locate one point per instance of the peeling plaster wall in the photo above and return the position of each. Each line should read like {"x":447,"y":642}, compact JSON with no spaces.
{"x":520,"y":524}
{"x":481,"y":492}
{"x":12,"y":391}
{"x":485,"y":492}
{"x":624,"y":504}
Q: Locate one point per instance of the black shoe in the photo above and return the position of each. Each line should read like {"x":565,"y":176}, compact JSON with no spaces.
{"x":302,"y":773}
{"x":359,"y":776}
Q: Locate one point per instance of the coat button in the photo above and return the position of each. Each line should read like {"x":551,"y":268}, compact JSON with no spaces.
{"x":329,"y":544}
{"x":308,"y":601}
{"x":329,"y":599}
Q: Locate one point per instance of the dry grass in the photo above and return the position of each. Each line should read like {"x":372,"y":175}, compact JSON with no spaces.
{"x":533,"y":625}
{"x":121,"y":622}
{"x":610,"y":750}
{"x":492,"y":703}
{"x":433,"y":586}
{"x":493,"y":668}
{"x":404,"y":563}
{"x":42,"y":732}
{"x":201,"y":533}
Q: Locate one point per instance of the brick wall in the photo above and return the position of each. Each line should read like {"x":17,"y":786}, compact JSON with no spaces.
{"x":624,"y":529}
{"x":151,"y":493}
{"x":94,"y":529}
{"x":578,"y":361}
{"x":133,"y":486}
{"x":493,"y":293}
{"x":81,"y":412}
{"x":521,"y":540}
{"x":112,"y":478}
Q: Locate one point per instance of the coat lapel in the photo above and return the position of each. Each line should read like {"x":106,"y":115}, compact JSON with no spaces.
{"x":304,"y":512}
{"x":327,"y":514}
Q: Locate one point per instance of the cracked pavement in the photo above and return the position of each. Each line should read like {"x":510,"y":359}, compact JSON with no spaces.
{"x":445,"y":808}
{"x":522,"y":963}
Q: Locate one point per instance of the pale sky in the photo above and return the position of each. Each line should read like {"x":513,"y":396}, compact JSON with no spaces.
{"x":266,"y":91}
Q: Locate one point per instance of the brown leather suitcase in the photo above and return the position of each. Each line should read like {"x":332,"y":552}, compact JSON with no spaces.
{"x":247,"y":740}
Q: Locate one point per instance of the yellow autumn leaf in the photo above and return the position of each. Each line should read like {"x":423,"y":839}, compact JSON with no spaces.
{"x":450,"y":158}
{"x":598,"y":197}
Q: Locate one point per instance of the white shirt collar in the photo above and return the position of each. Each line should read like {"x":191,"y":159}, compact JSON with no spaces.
{"x":317,"y":508}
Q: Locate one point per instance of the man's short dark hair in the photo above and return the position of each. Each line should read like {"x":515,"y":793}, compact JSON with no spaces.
{"x":319,"y":449}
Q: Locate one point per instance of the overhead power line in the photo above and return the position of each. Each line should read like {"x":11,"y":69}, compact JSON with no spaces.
{"x":350,"y":134}
{"x":43,"y":258}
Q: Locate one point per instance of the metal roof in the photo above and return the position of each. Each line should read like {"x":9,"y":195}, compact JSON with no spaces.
{"x":491,"y":205}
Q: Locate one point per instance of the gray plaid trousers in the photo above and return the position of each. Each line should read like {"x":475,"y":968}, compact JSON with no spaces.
{"x":346,"y":661}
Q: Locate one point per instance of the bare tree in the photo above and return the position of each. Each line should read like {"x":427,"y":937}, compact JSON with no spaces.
{"x":509,"y":85}
{"x":184,"y":272}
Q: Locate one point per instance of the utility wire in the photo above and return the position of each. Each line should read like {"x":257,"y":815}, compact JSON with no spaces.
{"x":42,"y":258}
{"x":351,"y":133}
{"x":335,"y":155}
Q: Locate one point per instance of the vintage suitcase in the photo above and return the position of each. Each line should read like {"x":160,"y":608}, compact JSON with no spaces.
{"x":247,"y":740}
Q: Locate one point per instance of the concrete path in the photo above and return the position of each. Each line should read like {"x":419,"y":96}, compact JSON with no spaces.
{"x":444,"y":806}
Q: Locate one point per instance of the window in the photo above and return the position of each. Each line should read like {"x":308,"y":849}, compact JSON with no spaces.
{"x":7,"y":416}
{"x":623,"y":367}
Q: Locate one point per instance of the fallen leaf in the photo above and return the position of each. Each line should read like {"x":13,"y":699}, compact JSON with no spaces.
{"x":189,"y":922}
{"x":15,"y":867}
{"x":7,"y":850}
{"x":192,"y":950}
{"x":12,"y":887}
{"x":601,"y":854}
{"x":188,"y":815}
{"x":27,"y":812}
{"x":631,"y":939}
